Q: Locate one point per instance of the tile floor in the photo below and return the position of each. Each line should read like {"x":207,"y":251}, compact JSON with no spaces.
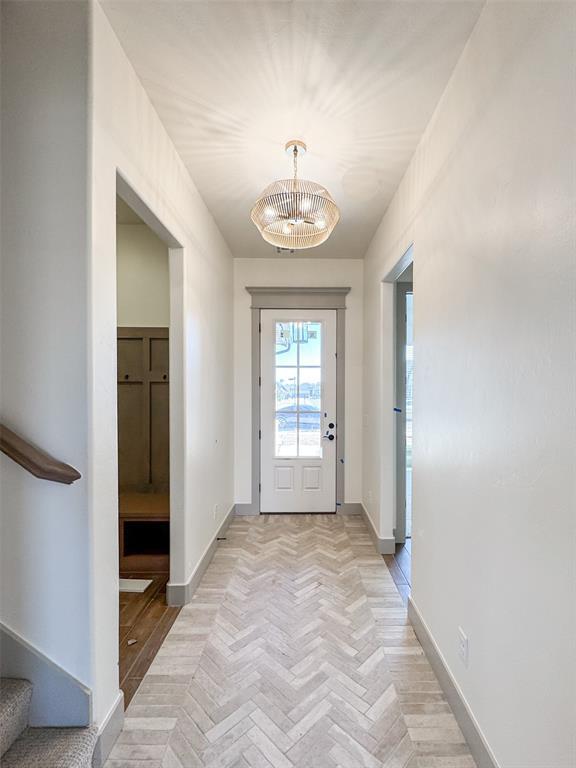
{"x":295,"y":652}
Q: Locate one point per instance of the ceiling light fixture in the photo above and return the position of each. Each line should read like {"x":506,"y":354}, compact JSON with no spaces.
{"x":295,"y":213}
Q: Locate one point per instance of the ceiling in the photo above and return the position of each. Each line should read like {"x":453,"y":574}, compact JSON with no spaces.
{"x":233,"y":81}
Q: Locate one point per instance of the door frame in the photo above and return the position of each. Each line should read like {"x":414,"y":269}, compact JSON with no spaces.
{"x":297,"y":298}
{"x":390,"y":492}
{"x":176,"y":376}
{"x":400,"y":292}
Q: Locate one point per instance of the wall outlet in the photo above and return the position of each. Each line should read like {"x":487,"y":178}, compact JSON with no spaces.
{"x":463,"y":646}
{"x":216,"y":511}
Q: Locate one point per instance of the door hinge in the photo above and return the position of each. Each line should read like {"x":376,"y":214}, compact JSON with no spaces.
{"x":259,"y":327}
{"x":259,"y":487}
{"x":259,"y":434}
{"x":259,"y":381}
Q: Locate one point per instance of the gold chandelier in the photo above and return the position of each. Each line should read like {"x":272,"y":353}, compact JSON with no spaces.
{"x":294,"y":213}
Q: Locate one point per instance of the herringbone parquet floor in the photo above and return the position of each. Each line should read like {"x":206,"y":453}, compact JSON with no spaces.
{"x":295,"y":652}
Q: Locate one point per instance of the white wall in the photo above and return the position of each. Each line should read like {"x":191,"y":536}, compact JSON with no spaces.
{"x":295,"y":272}
{"x":488,"y":202}
{"x":45,"y":526}
{"x":128,"y":136}
{"x":68,"y":124}
{"x":143,"y":290}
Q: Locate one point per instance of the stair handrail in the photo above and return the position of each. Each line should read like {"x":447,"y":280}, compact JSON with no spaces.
{"x":34,"y":459}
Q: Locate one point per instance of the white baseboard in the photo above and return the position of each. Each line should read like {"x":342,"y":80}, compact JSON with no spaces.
{"x":385,"y":546}
{"x":343,"y":508}
{"x":349,"y":508}
{"x":180,"y":594}
{"x":477,"y":743}
{"x":246,"y":510}
{"x":109,"y":732}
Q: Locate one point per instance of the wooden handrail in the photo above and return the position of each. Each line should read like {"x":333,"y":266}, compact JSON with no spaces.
{"x":37,"y":462}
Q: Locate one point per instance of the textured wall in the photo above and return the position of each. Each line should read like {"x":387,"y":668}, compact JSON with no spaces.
{"x":45,"y":526}
{"x":488,"y":202}
{"x":128,"y":137}
{"x":143,"y":289}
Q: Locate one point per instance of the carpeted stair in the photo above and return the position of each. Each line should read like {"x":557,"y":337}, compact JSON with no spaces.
{"x":24,"y":747}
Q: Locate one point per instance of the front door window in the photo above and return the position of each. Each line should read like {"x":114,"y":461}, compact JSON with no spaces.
{"x":298,"y":361}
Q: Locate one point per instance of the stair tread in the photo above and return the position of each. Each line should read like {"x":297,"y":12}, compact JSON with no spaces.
{"x":52,"y":748}
{"x":15,"y":698}
{"x":12,"y":690}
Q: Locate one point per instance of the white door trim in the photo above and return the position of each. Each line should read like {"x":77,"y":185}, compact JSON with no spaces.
{"x":298,"y":298}
{"x":178,"y":490}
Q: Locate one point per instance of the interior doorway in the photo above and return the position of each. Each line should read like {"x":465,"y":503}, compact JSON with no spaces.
{"x":143,"y":418}
{"x":404,"y":299}
{"x":400,"y":563}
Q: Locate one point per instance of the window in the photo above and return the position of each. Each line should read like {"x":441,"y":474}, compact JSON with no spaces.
{"x":298,"y":389}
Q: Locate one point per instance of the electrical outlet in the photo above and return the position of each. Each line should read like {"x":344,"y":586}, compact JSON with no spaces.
{"x":463,"y":646}
{"x":216,"y":512}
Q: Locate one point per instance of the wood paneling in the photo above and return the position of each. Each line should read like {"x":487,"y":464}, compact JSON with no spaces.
{"x":159,"y":436}
{"x":143,"y":410}
{"x":132,"y":467}
{"x":130,"y":358}
{"x":159,"y":354}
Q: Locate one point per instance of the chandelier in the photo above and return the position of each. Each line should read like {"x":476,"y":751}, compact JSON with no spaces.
{"x":295,"y":213}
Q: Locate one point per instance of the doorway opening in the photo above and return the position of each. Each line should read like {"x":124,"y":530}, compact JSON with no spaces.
{"x":400,"y":563}
{"x":298,"y":397}
{"x":404,"y":393}
{"x":143,"y":408}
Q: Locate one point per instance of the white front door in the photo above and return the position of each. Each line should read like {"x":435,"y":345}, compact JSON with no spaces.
{"x":298,"y":410}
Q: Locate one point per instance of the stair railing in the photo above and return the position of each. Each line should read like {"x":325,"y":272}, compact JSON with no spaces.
{"x":34,"y":460}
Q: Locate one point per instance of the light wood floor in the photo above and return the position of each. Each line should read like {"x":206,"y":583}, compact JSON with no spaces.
{"x":295,"y":652}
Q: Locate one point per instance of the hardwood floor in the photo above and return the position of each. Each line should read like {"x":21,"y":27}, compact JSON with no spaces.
{"x":146,"y":618}
{"x":400,"y":567}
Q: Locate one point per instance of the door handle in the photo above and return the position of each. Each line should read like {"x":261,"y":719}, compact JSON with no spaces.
{"x":327,"y":437}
